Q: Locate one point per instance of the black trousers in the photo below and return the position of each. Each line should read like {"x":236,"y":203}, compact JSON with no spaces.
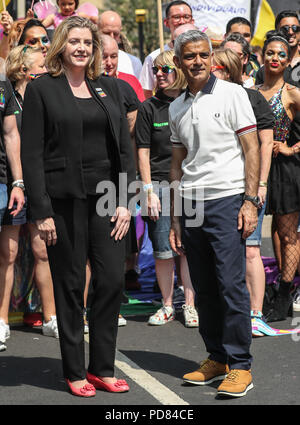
{"x":216,"y":256}
{"x":83,"y":234}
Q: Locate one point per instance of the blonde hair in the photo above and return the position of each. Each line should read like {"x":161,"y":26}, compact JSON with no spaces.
{"x":231,"y":62}
{"x":166,"y":58}
{"x":54,"y":60}
{"x":19,"y":56}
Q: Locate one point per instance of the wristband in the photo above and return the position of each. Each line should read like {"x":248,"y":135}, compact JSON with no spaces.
{"x":18,"y":184}
{"x":263,"y":184}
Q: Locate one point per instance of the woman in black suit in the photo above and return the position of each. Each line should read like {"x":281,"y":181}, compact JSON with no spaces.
{"x":80,"y":137}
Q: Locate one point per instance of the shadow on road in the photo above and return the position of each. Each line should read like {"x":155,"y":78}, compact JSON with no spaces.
{"x":168,"y":364}
{"x":41,"y":372}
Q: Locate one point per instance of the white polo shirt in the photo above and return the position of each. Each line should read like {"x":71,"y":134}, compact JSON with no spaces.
{"x":208,"y":125}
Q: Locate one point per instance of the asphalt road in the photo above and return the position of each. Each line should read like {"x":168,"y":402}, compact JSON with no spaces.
{"x":152,"y":360}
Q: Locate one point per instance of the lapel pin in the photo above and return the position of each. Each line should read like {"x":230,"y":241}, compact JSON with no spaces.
{"x":100,"y":92}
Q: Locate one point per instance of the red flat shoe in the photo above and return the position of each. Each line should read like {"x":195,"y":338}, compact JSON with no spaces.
{"x":120,"y":386}
{"x":88,"y":390}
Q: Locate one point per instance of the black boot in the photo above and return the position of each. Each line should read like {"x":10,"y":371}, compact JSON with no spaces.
{"x":282,"y":304}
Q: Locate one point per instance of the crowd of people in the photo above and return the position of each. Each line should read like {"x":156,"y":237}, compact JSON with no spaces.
{"x":210,"y":126}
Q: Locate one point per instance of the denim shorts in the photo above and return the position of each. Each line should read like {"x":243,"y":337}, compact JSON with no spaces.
{"x":18,"y":220}
{"x":3,"y":201}
{"x":255,"y":238}
{"x":158,"y":232}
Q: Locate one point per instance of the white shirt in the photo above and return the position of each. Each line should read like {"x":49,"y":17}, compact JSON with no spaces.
{"x":147,"y":78}
{"x":208,"y":125}
{"x":129,"y":64}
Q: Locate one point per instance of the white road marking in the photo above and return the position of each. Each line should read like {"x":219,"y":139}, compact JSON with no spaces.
{"x":150,"y":384}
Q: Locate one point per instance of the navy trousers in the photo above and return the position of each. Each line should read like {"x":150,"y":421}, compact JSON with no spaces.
{"x":217,"y":262}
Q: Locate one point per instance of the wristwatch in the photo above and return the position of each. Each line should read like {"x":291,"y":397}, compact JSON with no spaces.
{"x":254,"y":199}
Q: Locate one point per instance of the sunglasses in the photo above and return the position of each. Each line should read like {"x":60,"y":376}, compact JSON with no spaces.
{"x":165,"y":69}
{"x":286,"y":28}
{"x":215,"y":67}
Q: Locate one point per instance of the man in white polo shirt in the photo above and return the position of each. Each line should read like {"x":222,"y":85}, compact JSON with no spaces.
{"x":216,"y":159}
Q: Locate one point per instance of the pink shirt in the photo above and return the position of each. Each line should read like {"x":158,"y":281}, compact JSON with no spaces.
{"x":58,"y":18}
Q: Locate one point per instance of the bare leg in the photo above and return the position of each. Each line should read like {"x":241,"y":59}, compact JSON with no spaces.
{"x":189,"y":292}
{"x":255,"y":277}
{"x":165,"y":278}
{"x":42,"y":274}
{"x":9,"y":241}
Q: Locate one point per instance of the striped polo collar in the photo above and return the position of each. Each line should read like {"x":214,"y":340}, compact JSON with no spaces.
{"x":207,"y":89}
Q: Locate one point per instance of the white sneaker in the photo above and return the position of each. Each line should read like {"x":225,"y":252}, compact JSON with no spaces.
{"x":4,"y":334}
{"x":121,"y":320}
{"x":191,"y":319}
{"x":50,"y":328}
{"x":164,"y":315}
{"x":296,"y":302}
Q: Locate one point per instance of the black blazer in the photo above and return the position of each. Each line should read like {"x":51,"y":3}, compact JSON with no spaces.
{"x":51,"y":139}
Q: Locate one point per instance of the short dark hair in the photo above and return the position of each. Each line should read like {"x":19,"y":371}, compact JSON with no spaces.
{"x":285,"y":14}
{"x":29,"y":24}
{"x":274,"y":35}
{"x":238,"y":20}
{"x":76,"y":3}
{"x":177,"y":3}
{"x":236,"y":37}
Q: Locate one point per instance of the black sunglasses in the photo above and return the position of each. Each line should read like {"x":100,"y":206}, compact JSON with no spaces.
{"x":166,"y":69}
{"x":286,"y":28}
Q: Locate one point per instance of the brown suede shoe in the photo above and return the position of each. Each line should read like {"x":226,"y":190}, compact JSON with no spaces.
{"x":236,"y":384}
{"x":208,"y":372}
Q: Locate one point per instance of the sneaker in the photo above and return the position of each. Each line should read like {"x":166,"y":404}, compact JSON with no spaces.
{"x":255,"y":323}
{"x":296,"y":301}
{"x":236,"y":384}
{"x":4,"y":334}
{"x":122,"y":321}
{"x":191,"y":319}
{"x":209,"y":371}
{"x":50,"y":328}
{"x":164,"y":315}
{"x":85,"y":322}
